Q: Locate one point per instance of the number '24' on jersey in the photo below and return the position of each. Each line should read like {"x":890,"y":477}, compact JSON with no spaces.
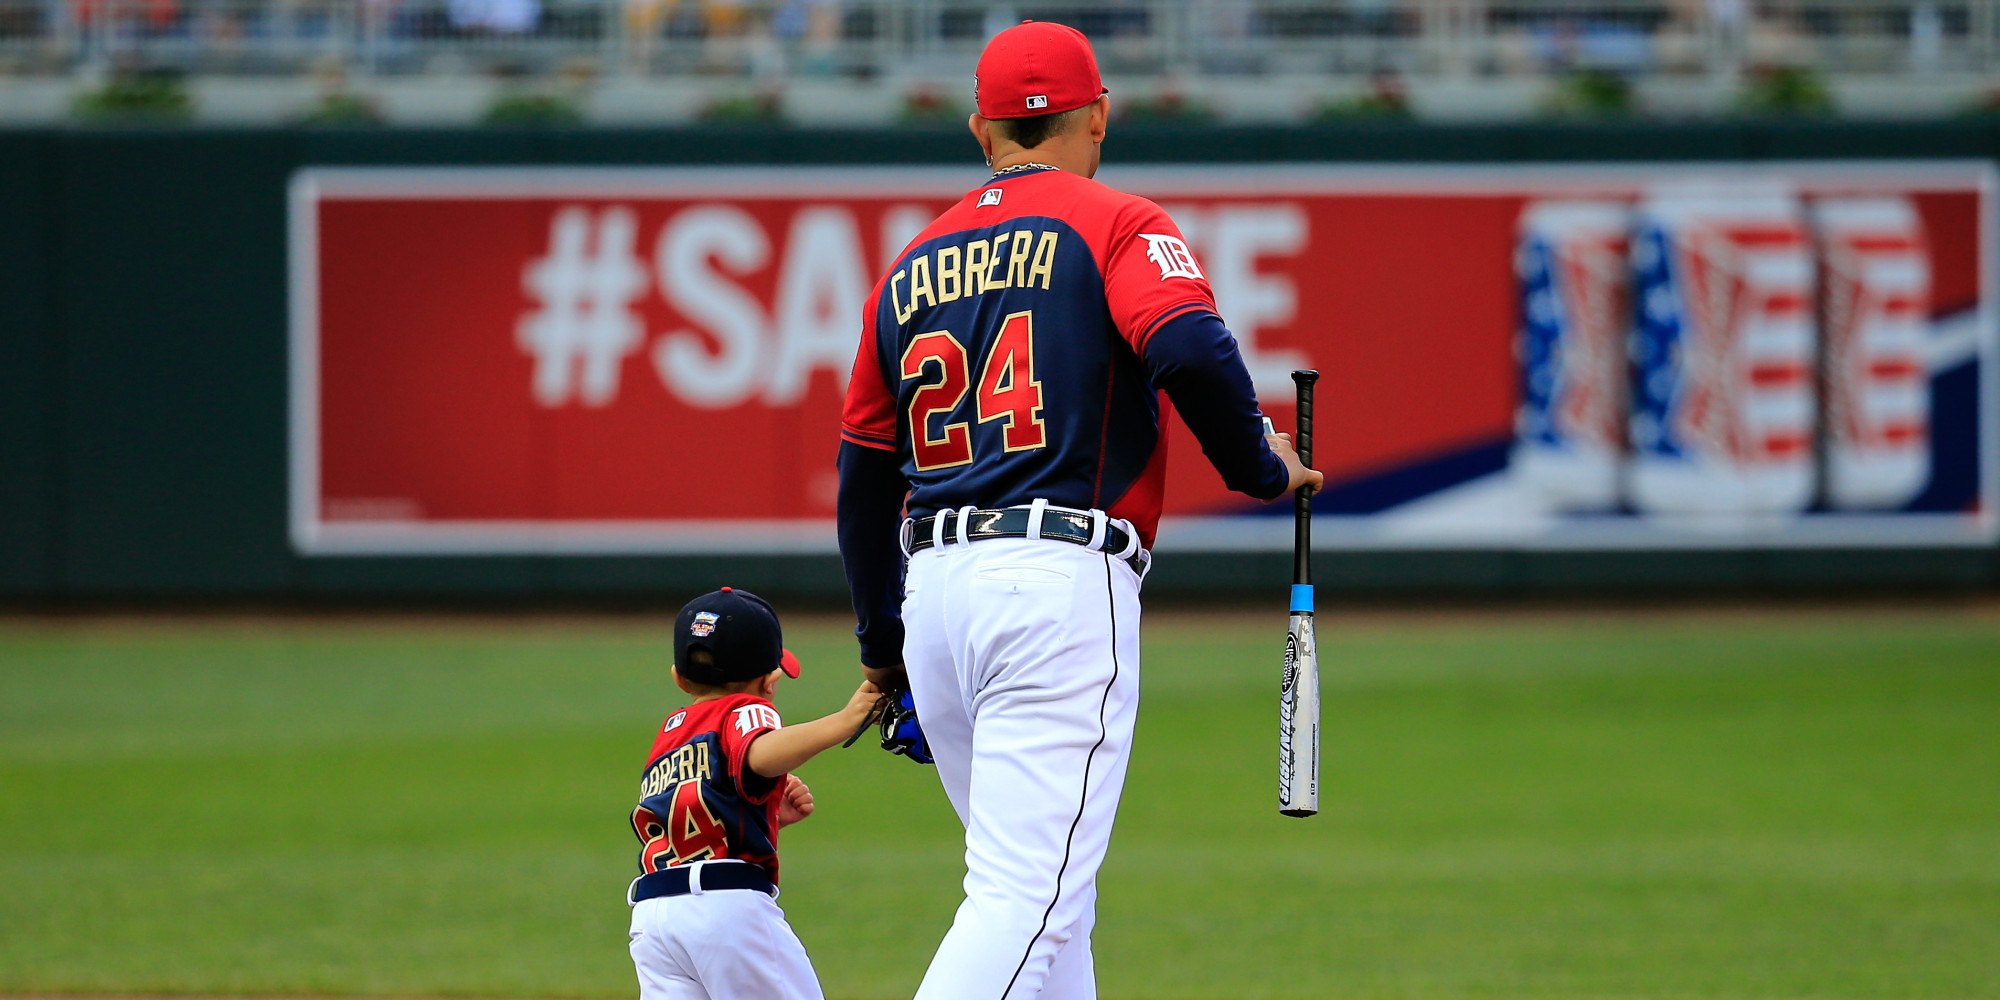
{"x":1001,"y":355}
{"x":698,"y":798}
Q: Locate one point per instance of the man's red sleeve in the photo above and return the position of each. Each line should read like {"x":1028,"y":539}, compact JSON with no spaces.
{"x":741,"y":725}
{"x":869,"y":416}
{"x":1150,"y":275}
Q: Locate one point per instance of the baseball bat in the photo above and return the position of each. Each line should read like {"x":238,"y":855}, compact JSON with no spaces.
{"x":1298,"y":698}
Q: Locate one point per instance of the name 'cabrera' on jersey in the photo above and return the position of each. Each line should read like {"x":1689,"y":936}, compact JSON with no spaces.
{"x":698,"y":798}
{"x":1006,"y":346}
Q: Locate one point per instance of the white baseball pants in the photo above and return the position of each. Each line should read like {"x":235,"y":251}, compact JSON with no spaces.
{"x":1023,"y":656}
{"x":725,"y":944}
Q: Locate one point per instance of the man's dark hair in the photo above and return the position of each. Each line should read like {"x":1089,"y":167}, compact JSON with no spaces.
{"x":1037,"y":129}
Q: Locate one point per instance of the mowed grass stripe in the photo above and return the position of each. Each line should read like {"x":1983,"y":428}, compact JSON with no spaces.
{"x":1738,"y":805}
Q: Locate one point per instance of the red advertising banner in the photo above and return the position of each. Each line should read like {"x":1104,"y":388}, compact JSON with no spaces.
{"x":586,"y":360}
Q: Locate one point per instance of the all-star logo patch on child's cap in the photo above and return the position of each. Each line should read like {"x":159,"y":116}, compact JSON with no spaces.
{"x":740,"y":632}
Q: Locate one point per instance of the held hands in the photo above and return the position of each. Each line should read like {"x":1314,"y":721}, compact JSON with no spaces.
{"x":795,"y":802}
{"x":861,"y":707}
{"x":1300,"y":475}
{"x":781,"y":750}
{"x":896,"y":710}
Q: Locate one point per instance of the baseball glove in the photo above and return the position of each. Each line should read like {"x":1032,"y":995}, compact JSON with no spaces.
{"x":901,"y":733}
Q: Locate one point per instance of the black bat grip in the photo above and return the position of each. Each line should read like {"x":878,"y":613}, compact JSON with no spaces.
{"x":1302,"y":442}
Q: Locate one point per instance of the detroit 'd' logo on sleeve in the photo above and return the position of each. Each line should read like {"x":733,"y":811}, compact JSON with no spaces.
{"x":750,"y":718}
{"x":1172,"y":256}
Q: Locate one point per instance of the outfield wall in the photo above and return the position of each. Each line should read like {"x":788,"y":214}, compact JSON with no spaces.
{"x":144,"y":337}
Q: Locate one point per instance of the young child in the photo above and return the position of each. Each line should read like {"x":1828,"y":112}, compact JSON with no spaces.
{"x":717,"y":788}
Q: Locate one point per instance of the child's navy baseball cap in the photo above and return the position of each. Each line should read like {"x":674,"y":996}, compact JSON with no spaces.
{"x":741,"y":634}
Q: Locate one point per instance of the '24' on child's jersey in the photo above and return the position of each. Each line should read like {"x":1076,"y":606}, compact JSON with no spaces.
{"x":1002,"y":353}
{"x":698,"y":798}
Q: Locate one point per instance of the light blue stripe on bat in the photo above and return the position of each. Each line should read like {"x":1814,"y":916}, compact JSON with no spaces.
{"x":1302,"y":597}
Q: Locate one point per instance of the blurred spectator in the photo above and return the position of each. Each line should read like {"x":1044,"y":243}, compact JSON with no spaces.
{"x":29,"y":20}
{"x":1726,"y":25}
{"x":770,"y":40}
{"x":500,"y":17}
{"x":1221,"y":37}
{"x":1375,"y":17}
{"x":813,"y":21}
{"x":1926,"y":37}
{"x":815,"y":26}
{"x":725,"y":18}
{"x":1572,"y":44}
{"x":1449,"y":28}
{"x":642,"y":27}
{"x":151,"y":16}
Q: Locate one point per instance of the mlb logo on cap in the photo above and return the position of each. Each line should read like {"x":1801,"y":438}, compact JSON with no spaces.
{"x":1038,"y":101}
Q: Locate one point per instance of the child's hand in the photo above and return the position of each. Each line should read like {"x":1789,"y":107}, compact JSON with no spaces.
{"x":860,"y":709}
{"x":795,"y":802}
{"x":780,"y":751}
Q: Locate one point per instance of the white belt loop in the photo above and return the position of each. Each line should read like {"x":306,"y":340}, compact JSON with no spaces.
{"x":630,"y":889}
{"x":1097,"y":525}
{"x":904,"y":533}
{"x":937,"y":529}
{"x":1036,"y":509}
{"x":1131,"y":539}
{"x":694,"y":877}
{"x":965,"y":521}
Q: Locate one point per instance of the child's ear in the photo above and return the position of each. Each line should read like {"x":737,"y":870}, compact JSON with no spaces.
{"x":678,"y":679}
{"x":771,"y":683}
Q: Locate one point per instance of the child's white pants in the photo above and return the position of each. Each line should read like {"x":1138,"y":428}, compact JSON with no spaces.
{"x":1023,"y":656}
{"x":724,"y":944}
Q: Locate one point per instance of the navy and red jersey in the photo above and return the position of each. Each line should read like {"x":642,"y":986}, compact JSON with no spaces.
{"x":698,"y":798}
{"x":1001,"y":353}
{"x":1017,"y":350}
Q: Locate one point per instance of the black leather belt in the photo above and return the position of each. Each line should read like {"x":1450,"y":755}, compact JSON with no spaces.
{"x":1062,"y":525}
{"x":675,"y":881}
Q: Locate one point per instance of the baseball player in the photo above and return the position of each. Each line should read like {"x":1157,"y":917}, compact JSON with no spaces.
{"x":717,"y":788}
{"x":1002,"y":433}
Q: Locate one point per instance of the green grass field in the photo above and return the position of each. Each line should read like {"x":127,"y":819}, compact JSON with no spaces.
{"x":1754,"y":804}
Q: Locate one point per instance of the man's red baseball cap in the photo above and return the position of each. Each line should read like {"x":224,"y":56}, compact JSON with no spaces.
{"x":1036,"y":68}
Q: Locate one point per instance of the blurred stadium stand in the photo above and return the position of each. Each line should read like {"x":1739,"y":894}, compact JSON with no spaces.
{"x":864,"y":62}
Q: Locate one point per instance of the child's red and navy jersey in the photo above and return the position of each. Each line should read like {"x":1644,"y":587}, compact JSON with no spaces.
{"x":698,"y":798}
{"x":1017,"y":351}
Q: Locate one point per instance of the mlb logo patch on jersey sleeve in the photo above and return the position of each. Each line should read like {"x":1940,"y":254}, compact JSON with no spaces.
{"x":990,"y":196}
{"x":1172,"y":256}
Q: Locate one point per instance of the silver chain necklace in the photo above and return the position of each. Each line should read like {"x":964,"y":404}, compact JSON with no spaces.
{"x":1016,"y":168}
